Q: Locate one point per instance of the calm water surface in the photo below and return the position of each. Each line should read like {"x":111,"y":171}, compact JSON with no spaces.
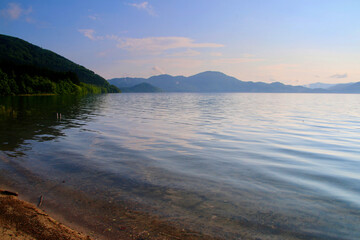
{"x":281,"y":166}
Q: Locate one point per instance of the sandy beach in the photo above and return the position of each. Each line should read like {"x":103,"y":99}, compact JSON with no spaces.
{"x":22,"y":220}
{"x":95,"y":213}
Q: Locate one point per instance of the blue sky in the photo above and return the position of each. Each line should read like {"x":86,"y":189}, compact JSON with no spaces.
{"x":294,"y":42}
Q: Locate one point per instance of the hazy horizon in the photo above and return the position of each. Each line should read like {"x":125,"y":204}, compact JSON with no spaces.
{"x":309,"y":85}
{"x":294,"y":43}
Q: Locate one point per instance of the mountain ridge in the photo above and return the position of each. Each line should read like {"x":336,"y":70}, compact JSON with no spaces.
{"x":208,"y":81}
{"x":213,"y":81}
{"x":141,"y":88}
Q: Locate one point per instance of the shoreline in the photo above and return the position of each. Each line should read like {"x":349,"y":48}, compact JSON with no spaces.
{"x":103,"y":213}
{"x":99,"y":213}
{"x":64,"y":223}
{"x":22,"y":220}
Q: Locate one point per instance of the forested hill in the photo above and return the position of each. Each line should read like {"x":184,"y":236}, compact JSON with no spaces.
{"x":20,"y":59}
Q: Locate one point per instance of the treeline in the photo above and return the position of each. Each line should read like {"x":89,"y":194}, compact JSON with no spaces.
{"x":16,"y":50}
{"x":18,"y":79}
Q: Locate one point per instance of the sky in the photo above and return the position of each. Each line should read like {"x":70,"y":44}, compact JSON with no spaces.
{"x":294,"y":42}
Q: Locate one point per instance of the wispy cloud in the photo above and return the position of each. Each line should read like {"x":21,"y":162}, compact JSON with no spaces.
{"x":14,"y":11}
{"x":30,"y":20}
{"x":170,"y":63}
{"x":339,"y":75}
{"x":94,"y":17}
{"x":145,"y":6}
{"x":281,"y":67}
{"x":216,"y":54}
{"x":187,"y":53}
{"x":157,"y":70}
{"x":236,"y":60}
{"x":153,"y":45}
{"x":161,"y":44}
{"x":90,"y":33}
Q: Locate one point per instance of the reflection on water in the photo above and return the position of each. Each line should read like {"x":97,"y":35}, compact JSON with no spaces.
{"x":40,"y":118}
{"x":231,"y":165}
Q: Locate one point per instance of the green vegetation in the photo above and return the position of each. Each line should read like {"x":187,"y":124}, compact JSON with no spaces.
{"x":141,"y":88}
{"x":29,"y":69}
{"x":25,"y":79}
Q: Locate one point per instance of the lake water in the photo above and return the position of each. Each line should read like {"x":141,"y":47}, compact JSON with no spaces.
{"x":263,"y":166}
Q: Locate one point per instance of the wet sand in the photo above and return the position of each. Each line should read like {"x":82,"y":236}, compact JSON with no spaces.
{"x":22,"y":220}
{"x":93,"y":211}
{"x":92,"y":216}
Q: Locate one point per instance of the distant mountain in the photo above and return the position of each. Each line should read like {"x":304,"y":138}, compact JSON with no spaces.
{"x":141,"y":88}
{"x":208,"y":82}
{"x":331,"y":87}
{"x":15,"y":51}
{"x":345,"y":88}
{"x":126,"y":82}
{"x":353,"y":87}
{"x":319,"y":85}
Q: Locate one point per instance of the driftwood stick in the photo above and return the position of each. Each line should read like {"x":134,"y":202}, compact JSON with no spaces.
{"x":40,"y":201}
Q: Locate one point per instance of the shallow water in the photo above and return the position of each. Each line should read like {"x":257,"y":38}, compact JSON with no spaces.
{"x":229,"y":165}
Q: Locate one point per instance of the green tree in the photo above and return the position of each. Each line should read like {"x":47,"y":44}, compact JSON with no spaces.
{"x":8,"y":85}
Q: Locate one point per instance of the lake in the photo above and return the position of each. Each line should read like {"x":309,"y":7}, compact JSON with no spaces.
{"x":232,"y":165}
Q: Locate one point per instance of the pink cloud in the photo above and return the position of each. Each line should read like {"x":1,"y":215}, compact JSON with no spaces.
{"x":14,"y":11}
{"x":144,"y":6}
{"x":90,"y":33}
{"x":160,"y":44}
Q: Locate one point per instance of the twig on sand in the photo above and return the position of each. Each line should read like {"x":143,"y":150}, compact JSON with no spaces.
{"x":40,"y":201}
